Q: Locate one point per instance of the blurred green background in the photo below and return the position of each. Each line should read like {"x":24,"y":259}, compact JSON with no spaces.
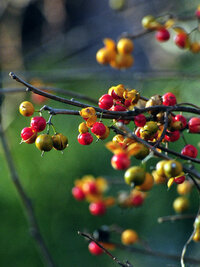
{"x":56,"y":42}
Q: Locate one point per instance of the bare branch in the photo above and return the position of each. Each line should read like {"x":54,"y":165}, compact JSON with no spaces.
{"x":177,"y":217}
{"x":29,"y":210}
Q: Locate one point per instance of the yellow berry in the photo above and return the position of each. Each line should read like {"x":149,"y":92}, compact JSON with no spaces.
{"x":125,"y":46}
{"x":83,"y":128}
{"x":180,"y":204}
{"x":129,"y":237}
{"x":26,"y":108}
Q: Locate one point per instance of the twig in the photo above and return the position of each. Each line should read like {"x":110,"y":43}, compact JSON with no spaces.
{"x":50,"y":89}
{"x":29,"y":210}
{"x":173,"y":218}
{"x":88,"y":236}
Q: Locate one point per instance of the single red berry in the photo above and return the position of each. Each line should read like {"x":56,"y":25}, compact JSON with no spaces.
{"x":172,"y":136}
{"x":106,"y":101}
{"x":127,"y":103}
{"x":181,"y":39}
{"x":98,"y":128}
{"x":118,"y":107}
{"x":94,"y":248}
{"x":137,"y":200}
{"x":179,"y":179}
{"x":140,"y":120}
{"x":89,"y":188}
{"x":162,"y":35}
{"x":169,"y":99}
{"x":190,"y":151}
{"x":78,"y":193}
{"x":120,"y":161}
{"x":27,"y":133}
{"x":182,"y":119}
{"x":85,"y":139}
{"x":194,"y":125}
{"x":38,"y":123}
{"x":97,"y":208}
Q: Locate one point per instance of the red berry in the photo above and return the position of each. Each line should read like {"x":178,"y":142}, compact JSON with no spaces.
{"x":94,"y":248}
{"x":181,"y":39}
{"x":127,"y":103}
{"x":140,"y":120}
{"x":78,"y":193}
{"x":85,"y":139}
{"x":162,"y":35}
{"x":38,"y":123}
{"x":118,"y":108}
{"x":182,"y":119}
{"x":169,"y":99}
{"x":190,"y":151}
{"x":27,"y":133}
{"x":98,"y":128}
{"x":172,"y":136}
{"x":137,"y":200}
{"x":197,"y":13}
{"x":106,"y":101}
{"x":90,"y":188}
{"x":179,"y":179}
{"x":97,"y":208}
{"x":194,"y":125}
{"x":120,"y":161}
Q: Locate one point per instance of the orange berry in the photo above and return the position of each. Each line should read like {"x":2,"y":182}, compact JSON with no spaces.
{"x":148,"y":182}
{"x":105,"y":55}
{"x":125,"y":46}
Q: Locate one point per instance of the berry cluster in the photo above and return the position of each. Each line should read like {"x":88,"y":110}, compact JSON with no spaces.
{"x":182,"y":39}
{"x":103,"y":237}
{"x":117,"y":55}
{"x":43,"y":142}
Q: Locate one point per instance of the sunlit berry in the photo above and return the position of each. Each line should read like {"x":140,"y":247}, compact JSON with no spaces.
{"x":147,"y":21}
{"x":85,"y":139}
{"x":162,"y":35}
{"x":98,"y":128}
{"x":44,"y":142}
{"x":190,"y":151}
{"x":38,"y":123}
{"x":194,"y":125}
{"x":129,"y":237}
{"x":94,"y":248}
{"x":26,"y":108}
{"x":125,"y":46}
{"x":104,"y":55}
{"x":184,"y":188}
{"x":106,"y":101}
{"x":169,"y":99}
{"x":97,"y":208}
{"x":82,"y":128}
{"x":120,"y":161}
{"x":78,"y":193}
{"x":172,"y":136}
{"x":140,"y":120}
{"x":28,"y":135}
{"x":172,"y":168}
{"x":181,"y":39}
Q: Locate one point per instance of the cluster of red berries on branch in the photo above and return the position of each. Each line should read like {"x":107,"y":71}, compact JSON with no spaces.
{"x":44,"y":142}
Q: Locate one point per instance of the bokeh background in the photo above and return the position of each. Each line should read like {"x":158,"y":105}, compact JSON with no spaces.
{"x":56,"y":42}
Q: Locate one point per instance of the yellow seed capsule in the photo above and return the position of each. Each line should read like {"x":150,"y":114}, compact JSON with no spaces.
{"x":158,"y":179}
{"x":87,"y":112}
{"x":118,"y":138}
{"x":129,"y":237}
{"x":125,"y":46}
{"x":83,"y":128}
{"x":60,"y":141}
{"x":196,"y":236}
{"x":26,"y":108}
{"x":132,"y":95}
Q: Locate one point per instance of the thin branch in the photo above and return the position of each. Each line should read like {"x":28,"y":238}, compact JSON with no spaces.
{"x":177,"y":217}
{"x":88,"y":236}
{"x":29,"y":210}
{"x":51,"y":89}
